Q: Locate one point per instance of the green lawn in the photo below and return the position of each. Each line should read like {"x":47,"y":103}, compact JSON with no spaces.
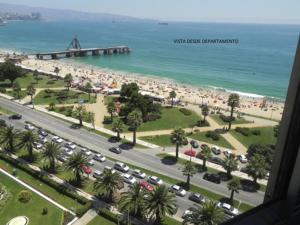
{"x":266,"y":136}
{"x":236,"y":121}
{"x":160,"y":140}
{"x":99,"y":220}
{"x":43,"y":82}
{"x":170,"y":119}
{"x":44,"y":98}
{"x":32,"y":209}
{"x":222,"y":142}
{"x":23,"y":94}
{"x":108,"y":99}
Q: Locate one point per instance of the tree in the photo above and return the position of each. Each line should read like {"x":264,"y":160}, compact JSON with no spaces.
{"x":68,"y":80}
{"x":133,"y":201}
{"x":178,"y":138}
{"x":266,"y":151}
{"x":189,"y":170}
{"x":91,"y":118}
{"x":76,"y":163}
{"x":36,"y":76}
{"x":107,"y":184}
{"x":134,"y":120}
{"x":207,"y":213}
{"x":17,"y":89}
{"x":51,"y":106}
{"x":88,"y":88}
{"x":8,"y":70}
{"x":205,"y":154}
{"x":205,"y":112}
{"x":27,"y":140}
{"x":257,"y":167}
{"x":8,"y":138}
{"x":172,"y":95}
{"x":118,"y":127}
{"x":111,"y":108}
{"x":233,"y":102}
{"x":80,"y":113}
{"x":31,"y":91}
{"x":233,"y":186}
{"x":51,"y":152}
{"x":160,"y":202}
{"x":127,"y":90}
{"x":230,"y":164}
{"x":56,"y":70}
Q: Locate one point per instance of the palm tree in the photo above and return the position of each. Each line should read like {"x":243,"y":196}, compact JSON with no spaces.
{"x":56,"y":70}
{"x":172,"y":95}
{"x":8,"y":138}
{"x":68,"y":80}
{"x":178,"y":137}
{"x":51,"y":152}
{"x":257,"y":167}
{"x":88,"y":87}
{"x":204,"y":111}
{"x":205,"y":155}
{"x":160,"y":203}
{"x":189,"y":170}
{"x":233,"y":101}
{"x":31,"y":91}
{"x":133,"y":201}
{"x":118,"y":127}
{"x":80,"y":113}
{"x":107,"y":184}
{"x":27,"y":140}
{"x":230,"y":164}
{"x":17,"y":89}
{"x":76,"y":163}
{"x":134,"y":120}
{"x":111,"y":108}
{"x":233,"y":186}
{"x":207,"y":213}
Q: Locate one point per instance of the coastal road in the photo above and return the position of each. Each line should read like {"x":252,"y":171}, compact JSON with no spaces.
{"x":134,"y":156}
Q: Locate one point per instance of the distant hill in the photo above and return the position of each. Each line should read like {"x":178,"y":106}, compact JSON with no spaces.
{"x":57,"y":14}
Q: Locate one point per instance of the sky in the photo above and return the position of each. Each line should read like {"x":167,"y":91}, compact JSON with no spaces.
{"x":262,"y":11}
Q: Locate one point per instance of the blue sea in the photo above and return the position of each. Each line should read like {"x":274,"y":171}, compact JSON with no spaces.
{"x":260,"y":63}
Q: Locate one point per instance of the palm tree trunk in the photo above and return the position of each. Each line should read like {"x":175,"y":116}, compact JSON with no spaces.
{"x":204,"y":119}
{"x":89,"y":96}
{"x":78,"y":178}
{"x":231,"y":115}
{"x":188,"y":181}
{"x":30,"y":153}
{"x":204,"y":163}
{"x":80,"y":121}
{"x":172,"y":102}
{"x":231,"y":196}
{"x":157,"y":218}
{"x":111,"y":116}
{"x":118,"y":135}
{"x":177,"y":151}
{"x":134,"y":137}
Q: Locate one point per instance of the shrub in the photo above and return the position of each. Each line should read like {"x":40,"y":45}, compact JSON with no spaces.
{"x":107,"y":120}
{"x":256,"y":132}
{"x":48,"y":91}
{"x":81,"y":211}
{"x":152,"y":117}
{"x":51,"y":82}
{"x":69,"y":111}
{"x":24,"y":196}
{"x":226,"y":119}
{"x":243,"y":130}
{"x":45,"y":211}
{"x":185,"y":111}
{"x":213,"y":135}
{"x":202,"y":123}
{"x":2,"y":90}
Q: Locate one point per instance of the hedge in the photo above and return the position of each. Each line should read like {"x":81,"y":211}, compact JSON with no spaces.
{"x":226,"y":119}
{"x":185,"y":111}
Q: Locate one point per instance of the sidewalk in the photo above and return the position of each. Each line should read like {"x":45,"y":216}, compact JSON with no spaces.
{"x":86,"y":218}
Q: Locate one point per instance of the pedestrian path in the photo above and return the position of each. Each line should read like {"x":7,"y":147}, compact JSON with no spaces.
{"x":86,"y":218}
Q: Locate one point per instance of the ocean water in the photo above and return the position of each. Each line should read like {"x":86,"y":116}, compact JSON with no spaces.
{"x":260,"y":63}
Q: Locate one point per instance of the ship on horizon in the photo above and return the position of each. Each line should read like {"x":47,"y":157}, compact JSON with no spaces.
{"x":163,"y":23}
{"x":2,"y":22}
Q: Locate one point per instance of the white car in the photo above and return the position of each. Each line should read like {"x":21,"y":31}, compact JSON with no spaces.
{"x":128,"y":178}
{"x":178,"y":190}
{"x":68,"y":151}
{"x":37,"y":145}
{"x":228,"y":209}
{"x":91,"y":162}
{"x":243,"y":159}
{"x":227,"y":152}
{"x":138,"y":174}
{"x":97,"y":174}
{"x":29,"y":127}
{"x":155,"y":180}
{"x":70,"y":145}
{"x":99,"y":157}
{"x":44,"y":140}
{"x":86,"y":152}
{"x":186,"y":213}
{"x":57,"y":139}
{"x":121,"y":167}
{"x":109,"y":168}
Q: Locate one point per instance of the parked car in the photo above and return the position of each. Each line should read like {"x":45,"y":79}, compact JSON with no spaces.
{"x":15,"y":117}
{"x":97,"y":174}
{"x":186,"y":213}
{"x":37,"y":145}
{"x":86,"y":152}
{"x":227,"y":152}
{"x":146,"y":185}
{"x":29,"y":127}
{"x":70,"y":145}
{"x":99,"y":157}
{"x":216,"y":150}
{"x":194,"y":144}
{"x":86,"y":169}
{"x":115,"y":150}
{"x":178,"y":190}
{"x":196,"y":197}
{"x":43,"y":133}
{"x":228,"y":209}
{"x":62,"y":157}
{"x":43,"y":140}
{"x":91,"y":162}
{"x":109,"y":168}
{"x":243,"y":159}
{"x":246,"y":170}
{"x":216,"y":160}
{"x":57,"y":139}
{"x":128,"y":178}
{"x":203,"y":146}
{"x":155,"y":180}
{"x":121,"y":167}
{"x":138,"y":174}
{"x":212,"y":177}
{"x":68,"y":152}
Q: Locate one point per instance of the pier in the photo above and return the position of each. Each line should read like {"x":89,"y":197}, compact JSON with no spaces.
{"x":75,"y":50}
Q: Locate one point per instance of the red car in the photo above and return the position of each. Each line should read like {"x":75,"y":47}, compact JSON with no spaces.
{"x":190,"y":152}
{"x":86,"y":169}
{"x":146,"y":185}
